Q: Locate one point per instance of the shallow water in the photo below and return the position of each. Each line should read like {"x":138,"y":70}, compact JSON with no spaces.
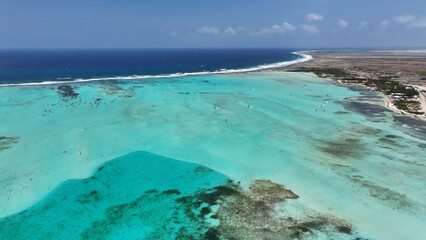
{"x":102,"y":206}
{"x":335,"y":147}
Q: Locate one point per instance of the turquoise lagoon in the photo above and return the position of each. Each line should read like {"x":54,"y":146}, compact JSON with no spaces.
{"x":264,"y":154}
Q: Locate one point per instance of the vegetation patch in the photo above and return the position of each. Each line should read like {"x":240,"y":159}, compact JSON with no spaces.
{"x":409,"y":106}
{"x":324,"y":72}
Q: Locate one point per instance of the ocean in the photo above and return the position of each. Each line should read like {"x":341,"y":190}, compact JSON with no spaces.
{"x":233,"y":154}
{"x":36,"y":66}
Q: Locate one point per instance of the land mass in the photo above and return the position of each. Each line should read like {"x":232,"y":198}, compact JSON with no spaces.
{"x":400,"y":75}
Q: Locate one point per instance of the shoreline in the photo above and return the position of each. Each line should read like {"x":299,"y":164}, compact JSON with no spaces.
{"x":364,"y":68}
{"x":309,"y":61}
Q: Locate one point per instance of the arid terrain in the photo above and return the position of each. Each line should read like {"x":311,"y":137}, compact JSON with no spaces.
{"x":409,"y":69}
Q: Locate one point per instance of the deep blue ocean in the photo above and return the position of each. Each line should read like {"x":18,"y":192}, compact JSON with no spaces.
{"x":28,"y":66}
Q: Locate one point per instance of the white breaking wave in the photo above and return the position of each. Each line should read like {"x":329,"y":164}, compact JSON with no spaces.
{"x":304,"y":58}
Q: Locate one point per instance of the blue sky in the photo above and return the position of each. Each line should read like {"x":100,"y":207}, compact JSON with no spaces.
{"x":212,"y":24}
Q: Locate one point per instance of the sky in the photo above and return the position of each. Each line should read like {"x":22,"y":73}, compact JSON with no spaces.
{"x":304,"y":24}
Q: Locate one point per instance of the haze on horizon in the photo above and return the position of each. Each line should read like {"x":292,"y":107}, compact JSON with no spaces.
{"x":213,"y":24}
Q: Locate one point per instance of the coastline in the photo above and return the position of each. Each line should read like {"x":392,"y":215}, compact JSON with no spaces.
{"x":308,"y":63}
{"x":357,"y":69}
{"x":391,"y":106}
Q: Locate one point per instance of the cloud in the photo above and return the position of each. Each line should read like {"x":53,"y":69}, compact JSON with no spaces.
{"x":285,"y":27}
{"x":310,"y":29}
{"x":411,"y":21}
{"x":234,"y":31}
{"x":208,"y":30}
{"x":404,"y":18}
{"x":170,"y":33}
{"x":383,"y":25}
{"x":362,"y":24}
{"x":342,"y":23}
{"x":231,"y":31}
{"x":420,"y":22}
{"x":276,"y":29}
{"x":314,"y":17}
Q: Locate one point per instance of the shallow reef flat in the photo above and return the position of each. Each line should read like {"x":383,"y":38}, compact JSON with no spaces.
{"x":146,"y":196}
{"x":279,"y":155}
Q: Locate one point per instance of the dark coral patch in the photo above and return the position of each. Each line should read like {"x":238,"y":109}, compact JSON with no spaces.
{"x":205,"y":210}
{"x":366,"y":109}
{"x":252,"y":213}
{"x":394,"y":199}
{"x":341,"y":112}
{"x":172,"y":191}
{"x":91,"y":197}
{"x":211,"y":197}
{"x":202,"y":169}
{"x":67,"y":92}
{"x":343,"y":148}
{"x":392,"y":136}
{"x":389,"y":142}
{"x":418,"y":127}
{"x":344,"y":229}
{"x":364,"y":130}
{"x":114,"y":89}
{"x":412,"y":122}
{"x":151,"y":191}
{"x":150,"y":207}
{"x":262,"y":210}
{"x":7,"y":142}
{"x":269,"y":192}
